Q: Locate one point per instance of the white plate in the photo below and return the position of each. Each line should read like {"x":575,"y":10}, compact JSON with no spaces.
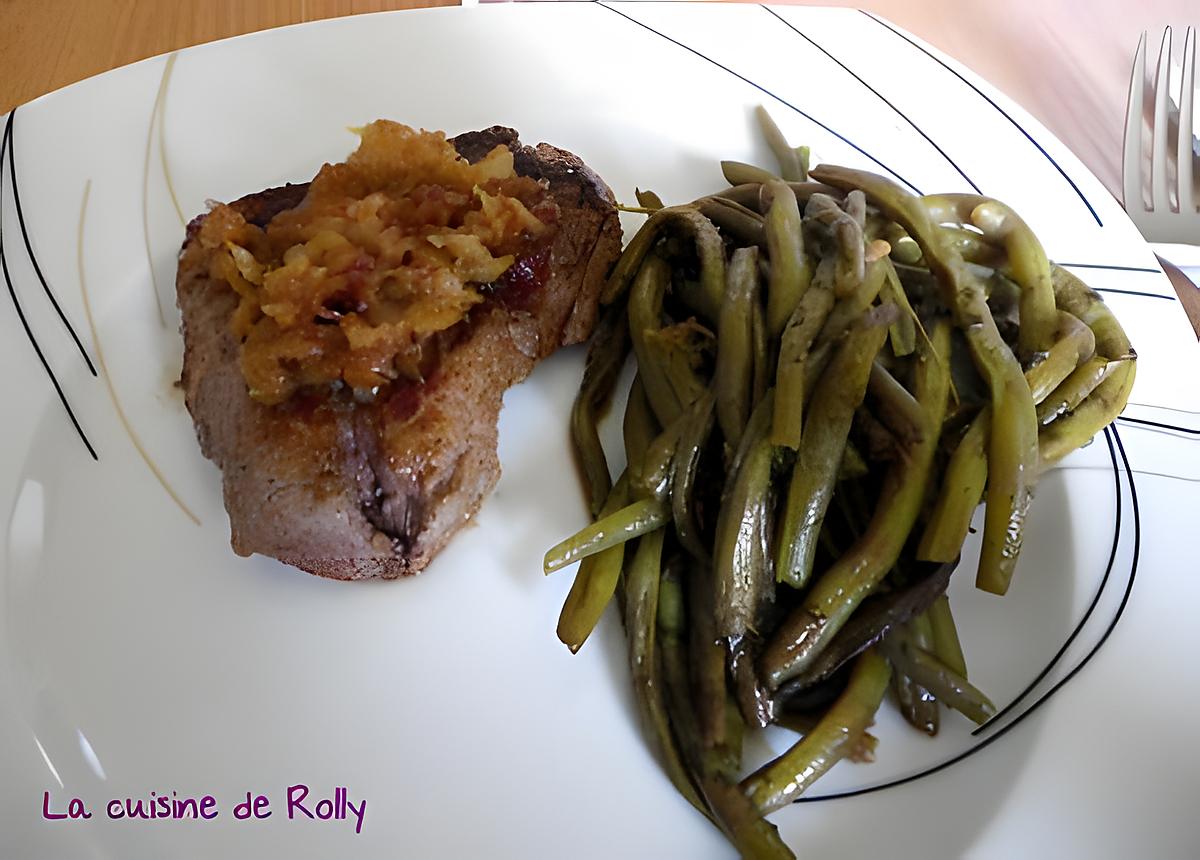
{"x":139,"y":654}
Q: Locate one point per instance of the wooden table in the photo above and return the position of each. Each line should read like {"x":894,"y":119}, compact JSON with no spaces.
{"x":1016,"y":46}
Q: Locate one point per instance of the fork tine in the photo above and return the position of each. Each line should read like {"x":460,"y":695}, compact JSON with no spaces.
{"x":1187,"y":201}
{"x":1131,"y":157}
{"x":1160,"y":200}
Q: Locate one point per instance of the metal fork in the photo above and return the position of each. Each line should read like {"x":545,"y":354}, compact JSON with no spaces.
{"x":1160,"y":221}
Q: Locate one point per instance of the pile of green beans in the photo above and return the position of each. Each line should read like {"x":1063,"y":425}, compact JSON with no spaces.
{"x":832,"y":375}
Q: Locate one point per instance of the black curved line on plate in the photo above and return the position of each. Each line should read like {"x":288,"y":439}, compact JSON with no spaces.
{"x":1002,"y":111}
{"x":12,"y":294}
{"x":765,"y":91}
{"x":1112,"y":558}
{"x":1136,"y":293}
{"x":878,"y":94}
{"x":1159,"y":425}
{"x":1107,"y":266}
{"x":12,"y":174}
{"x":1087,"y":658}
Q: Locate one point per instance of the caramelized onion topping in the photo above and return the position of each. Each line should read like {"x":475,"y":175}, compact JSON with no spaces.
{"x":385,"y":251}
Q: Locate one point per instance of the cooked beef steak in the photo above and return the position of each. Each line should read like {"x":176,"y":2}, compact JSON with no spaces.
{"x":348,"y":489}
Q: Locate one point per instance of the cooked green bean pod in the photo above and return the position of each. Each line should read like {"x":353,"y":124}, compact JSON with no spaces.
{"x":735,"y":221}
{"x":826,"y":428}
{"x":642,"y":594}
{"x":918,"y":706}
{"x":962,"y":488}
{"x":790,"y":392}
{"x":1075,"y":388}
{"x":639,"y":518}
{"x":645,"y":318}
{"x":945,"y":636}
{"x":734,"y":374}
{"x":788,"y":158}
{"x":952,"y":689}
{"x":780,"y":782}
{"x":1013,"y":445}
{"x":595,"y":582}
{"x":606,"y":356}
{"x":790,"y":270}
{"x":709,"y":249}
{"x":740,"y":173}
{"x":741,"y":562}
{"x":832,"y":598}
{"x":647,"y":199}
{"x":896,"y":408}
{"x":693,"y":438}
{"x":638,"y":429}
{"x":1076,"y":343}
{"x":903,"y":332}
{"x":851,"y":307}
{"x":679,"y":351}
{"x":1106,"y":402}
{"x":1026,"y":261}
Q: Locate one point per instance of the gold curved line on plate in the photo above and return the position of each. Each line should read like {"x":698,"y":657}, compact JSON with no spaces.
{"x":158,"y":99}
{"x":162,"y":135}
{"x":112,"y":392}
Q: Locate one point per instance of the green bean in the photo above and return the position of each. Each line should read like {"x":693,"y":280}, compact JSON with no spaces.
{"x":606,"y":356}
{"x":638,"y":428}
{"x":1074,"y":344}
{"x":1013,"y":445}
{"x":945,"y":636}
{"x":645,"y":316}
{"x":741,"y":566}
{"x":735,"y":221}
{"x":790,"y":270}
{"x":788,"y":158}
{"x":850,"y":308}
{"x":802,"y":191}
{"x":709,"y":248}
{"x":595,"y":582}
{"x":878,"y":615}
{"x":802,"y":328}
{"x":906,"y":251}
{"x":733,"y":376}
{"x":642,"y":592}
{"x":648,"y":199}
{"x":694,"y":436}
{"x":826,"y":428}
{"x":903,"y":332}
{"x":760,"y":378}
{"x":678,"y":350}
{"x":973,"y":247}
{"x":806,"y":631}
{"x":740,"y":173}
{"x":1106,"y":402}
{"x":746,"y":194}
{"x":752,"y":836}
{"x":855,"y":207}
{"x":753,"y":700}
{"x":654,"y":480}
{"x":1099,"y":410}
{"x":1076,"y":387}
{"x":1026,"y":261}
{"x":853,"y":465}
{"x":951,"y":689}
{"x":639,"y":518}
{"x":895,"y":407}
{"x":962,"y":489}
{"x":708,"y":695}
{"x":780,"y":782}
{"x":917,"y":705}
